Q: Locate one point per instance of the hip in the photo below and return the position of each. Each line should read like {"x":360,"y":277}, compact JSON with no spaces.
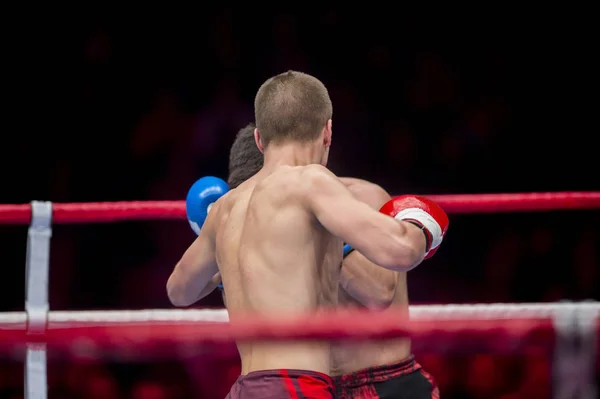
{"x":351,"y":357}
{"x":257,"y":356}
{"x":282,"y":383}
{"x":403,"y":380}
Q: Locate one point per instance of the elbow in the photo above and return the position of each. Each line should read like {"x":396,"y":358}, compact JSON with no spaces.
{"x":175,"y":292}
{"x":402,"y":256}
{"x":174,"y":295}
{"x":176,"y":298}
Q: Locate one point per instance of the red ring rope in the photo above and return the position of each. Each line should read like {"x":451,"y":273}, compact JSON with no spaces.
{"x":332,"y":325}
{"x":105,"y":212}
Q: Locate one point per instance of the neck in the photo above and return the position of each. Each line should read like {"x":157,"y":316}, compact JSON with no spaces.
{"x":291,"y":154}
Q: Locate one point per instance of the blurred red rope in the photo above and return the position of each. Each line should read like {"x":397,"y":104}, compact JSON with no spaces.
{"x":106,"y":212}
{"x":331,"y":325}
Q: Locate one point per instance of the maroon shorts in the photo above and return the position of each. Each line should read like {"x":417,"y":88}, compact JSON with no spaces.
{"x":282,"y":383}
{"x":402,"y":380}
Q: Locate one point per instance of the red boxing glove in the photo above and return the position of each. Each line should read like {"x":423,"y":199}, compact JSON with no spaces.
{"x":422,"y":212}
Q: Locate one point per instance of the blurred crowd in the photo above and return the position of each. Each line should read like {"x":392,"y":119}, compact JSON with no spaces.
{"x":477,"y":376}
{"x":421,"y":105}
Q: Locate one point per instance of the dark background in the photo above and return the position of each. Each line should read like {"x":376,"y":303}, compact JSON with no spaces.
{"x":112,"y":106}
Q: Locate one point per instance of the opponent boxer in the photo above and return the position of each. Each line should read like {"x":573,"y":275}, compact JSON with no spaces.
{"x":274,"y":239}
{"x":363,"y":369}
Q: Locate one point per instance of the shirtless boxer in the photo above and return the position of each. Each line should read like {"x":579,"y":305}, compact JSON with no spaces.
{"x":276,"y":239}
{"x":364,"y":369}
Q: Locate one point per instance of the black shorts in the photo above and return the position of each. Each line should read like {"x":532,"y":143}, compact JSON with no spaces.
{"x":404,"y":380}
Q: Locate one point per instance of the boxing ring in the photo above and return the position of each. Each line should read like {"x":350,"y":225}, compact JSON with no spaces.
{"x":570,"y":328}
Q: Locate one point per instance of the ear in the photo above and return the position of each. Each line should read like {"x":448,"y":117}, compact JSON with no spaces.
{"x":258,"y":141}
{"x":327,"y":133}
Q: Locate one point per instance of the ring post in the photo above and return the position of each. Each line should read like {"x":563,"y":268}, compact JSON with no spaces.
{"x":574,"y":351}
{"x":36,"y":297}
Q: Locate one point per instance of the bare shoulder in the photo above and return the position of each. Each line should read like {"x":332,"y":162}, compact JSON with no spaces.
{"x":361,"y":184}
{"x":222,"y":206}
{"x":365,"y":191}
{"x":317,"y":172}
{"x":318,"y":177}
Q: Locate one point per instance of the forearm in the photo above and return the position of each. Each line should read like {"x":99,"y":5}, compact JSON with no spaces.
{"x":385,"y":241}
{"x":184,"y":288}
{"x":195,"y":271}
{"x":179,"y":288}
{"x":210,"y":287}
{"x":392,"y":244}
{"x":408,"y":248}
{"x":369,"y":284}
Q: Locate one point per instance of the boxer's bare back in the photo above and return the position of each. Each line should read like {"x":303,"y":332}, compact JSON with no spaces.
{"x":276,"y":259}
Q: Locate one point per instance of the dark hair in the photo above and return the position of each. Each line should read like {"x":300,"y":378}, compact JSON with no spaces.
{"x":291,"y":106}
{"x":245,"y":159}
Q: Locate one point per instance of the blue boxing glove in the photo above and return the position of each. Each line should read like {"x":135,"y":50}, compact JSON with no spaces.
{"x":200,"y":198}
{"x":347,"y":250}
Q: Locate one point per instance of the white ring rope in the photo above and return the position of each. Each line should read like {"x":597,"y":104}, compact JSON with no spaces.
{"x":13,"y":320}
{"x":468,"y":311}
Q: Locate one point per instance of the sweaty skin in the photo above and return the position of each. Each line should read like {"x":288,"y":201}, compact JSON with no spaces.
{"x":363,"y":284}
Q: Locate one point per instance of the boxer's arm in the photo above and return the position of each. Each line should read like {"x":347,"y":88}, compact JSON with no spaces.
{"x":212,"y":284}
{"x":369,"y":284}
{"x":196,"y":270}
{"x":390,"y":243}
{"x":364,"y":191}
